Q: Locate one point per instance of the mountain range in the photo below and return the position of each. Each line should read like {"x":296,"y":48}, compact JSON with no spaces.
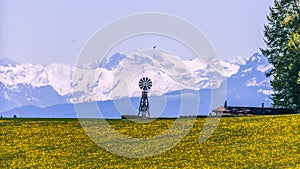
{"x":29,"y":90}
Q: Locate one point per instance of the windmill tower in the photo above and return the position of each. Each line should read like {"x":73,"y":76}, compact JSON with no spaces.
{"x":145,"y":84}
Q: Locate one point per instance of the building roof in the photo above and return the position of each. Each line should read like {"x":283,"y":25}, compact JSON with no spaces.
{"x":220,"y":109}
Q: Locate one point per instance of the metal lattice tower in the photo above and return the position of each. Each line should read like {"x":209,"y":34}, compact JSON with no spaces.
{"x":145,"y":84}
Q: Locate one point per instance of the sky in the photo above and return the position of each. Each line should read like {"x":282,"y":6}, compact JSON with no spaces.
{"x":55,"y":31}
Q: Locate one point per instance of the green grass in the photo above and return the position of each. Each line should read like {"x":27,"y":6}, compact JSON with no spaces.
{"x":238,"y":142}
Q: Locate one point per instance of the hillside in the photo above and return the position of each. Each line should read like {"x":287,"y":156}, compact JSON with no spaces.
{"x":243,"y":142}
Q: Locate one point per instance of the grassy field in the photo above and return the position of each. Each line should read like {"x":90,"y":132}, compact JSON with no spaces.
{"x":238,"y":142}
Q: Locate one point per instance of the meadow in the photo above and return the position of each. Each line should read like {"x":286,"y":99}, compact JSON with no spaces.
{"x":238,"y":142}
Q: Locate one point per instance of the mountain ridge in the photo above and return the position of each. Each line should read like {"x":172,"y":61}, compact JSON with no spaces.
{"x":244,"y":79}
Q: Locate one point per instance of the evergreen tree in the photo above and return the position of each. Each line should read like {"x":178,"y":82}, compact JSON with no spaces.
{"x":282,"y":37}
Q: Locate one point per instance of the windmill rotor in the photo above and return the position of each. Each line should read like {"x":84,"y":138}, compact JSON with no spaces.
{"x":145,"y":83}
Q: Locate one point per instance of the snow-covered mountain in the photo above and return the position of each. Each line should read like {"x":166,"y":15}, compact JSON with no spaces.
{"x":249,"y":86}
{"x":117,"y":76}
{"x":58,"y":76}
{"x":167,"y":72}
{"x":39,"y":85}
{"x":25,"y":94}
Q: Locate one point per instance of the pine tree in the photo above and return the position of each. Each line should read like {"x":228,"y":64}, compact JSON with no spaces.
{"x":282,"y":37}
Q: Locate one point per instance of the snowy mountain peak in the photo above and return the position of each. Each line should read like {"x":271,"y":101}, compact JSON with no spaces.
{"x":260,"y":62}
{"x":6,"y":62}
{"x":257,"y":58}
{"x":112,"y":61}
{"x":238,"y":61}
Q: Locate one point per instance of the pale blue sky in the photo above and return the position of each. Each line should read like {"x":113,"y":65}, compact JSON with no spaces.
{"x":50,"y":31}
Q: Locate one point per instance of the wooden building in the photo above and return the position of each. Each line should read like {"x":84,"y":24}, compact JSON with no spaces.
{"x":240,"y":110}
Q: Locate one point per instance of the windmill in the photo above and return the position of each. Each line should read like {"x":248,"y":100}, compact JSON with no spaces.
{"x":145,"y":84}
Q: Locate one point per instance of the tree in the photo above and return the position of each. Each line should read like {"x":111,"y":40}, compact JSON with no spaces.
{"x":282,"y":38}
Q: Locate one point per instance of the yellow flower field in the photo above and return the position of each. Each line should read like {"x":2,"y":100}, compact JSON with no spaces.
{"x":238,"y":142}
